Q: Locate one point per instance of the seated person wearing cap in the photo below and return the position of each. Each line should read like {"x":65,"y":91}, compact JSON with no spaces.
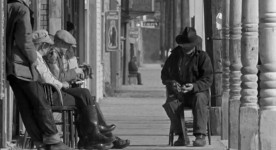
{"x":90,"y":132}
{"x":188,"y":75}
{"x":58,"y":65}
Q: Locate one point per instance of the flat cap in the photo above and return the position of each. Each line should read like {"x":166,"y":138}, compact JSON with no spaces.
{"x":41,"y":36}
{"x":66,"y":37}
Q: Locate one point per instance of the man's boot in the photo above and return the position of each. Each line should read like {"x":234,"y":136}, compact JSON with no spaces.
{"x":104,"y":128}
{"x":200,"y":140}
{"x":89,"y":125}
{"x":58,"y":146}
{"x":183,"y":140}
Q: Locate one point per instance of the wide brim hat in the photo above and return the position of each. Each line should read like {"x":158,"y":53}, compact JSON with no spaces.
{"x":41,"y":36}
{"x":188,"y":38}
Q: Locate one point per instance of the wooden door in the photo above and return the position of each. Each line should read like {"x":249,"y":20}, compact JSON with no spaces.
{"x":213,"y":32}
{"x":213,"y":17}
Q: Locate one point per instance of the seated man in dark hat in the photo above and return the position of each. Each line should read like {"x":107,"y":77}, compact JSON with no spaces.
{"x":60,"y":67}
{"x":188,"y":75}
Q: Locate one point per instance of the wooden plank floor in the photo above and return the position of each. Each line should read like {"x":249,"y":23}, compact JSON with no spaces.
{"x":137,"y":111}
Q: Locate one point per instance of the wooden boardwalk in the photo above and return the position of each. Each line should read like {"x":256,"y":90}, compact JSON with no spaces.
{"x":137,"y":111}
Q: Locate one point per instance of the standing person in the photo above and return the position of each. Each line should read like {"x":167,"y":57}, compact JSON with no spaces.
{"x":35,"y":111}
{"x":188,"y":75}
{"x":133,"y":69}
{"x":58,"y":65}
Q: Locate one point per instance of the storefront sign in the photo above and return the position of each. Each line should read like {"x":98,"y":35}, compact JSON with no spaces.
{"x":112,"y":33}
{"x":134,"y":33}
{"x":150,"y":24}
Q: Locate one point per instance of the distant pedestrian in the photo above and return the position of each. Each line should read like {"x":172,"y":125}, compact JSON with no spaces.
{"x":133,"y":69}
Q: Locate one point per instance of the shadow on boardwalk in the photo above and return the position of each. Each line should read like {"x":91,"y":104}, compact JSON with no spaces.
{"x":137,"y":111}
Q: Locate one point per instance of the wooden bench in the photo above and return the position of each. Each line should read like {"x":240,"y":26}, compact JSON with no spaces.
{"x":132,"y":79}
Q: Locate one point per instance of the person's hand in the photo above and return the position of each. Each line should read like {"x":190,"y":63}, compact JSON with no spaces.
{"x":174,"y":86}
{"x":65,"y":85}
{"x":35,"y":63}
{"x":80,"y":73}
{"x":187,"y":87}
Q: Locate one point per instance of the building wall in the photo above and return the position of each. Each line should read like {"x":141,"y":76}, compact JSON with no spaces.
{"x":44,"y":14}
{"x":55,"y":16}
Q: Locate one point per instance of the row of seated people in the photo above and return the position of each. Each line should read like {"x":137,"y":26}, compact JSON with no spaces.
{"x":57,"y":66}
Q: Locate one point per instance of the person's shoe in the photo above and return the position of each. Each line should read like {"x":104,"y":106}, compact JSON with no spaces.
{"x":58,"y":146}
{"x":92,"y":141}
{"x":199,"y":141}
{"x":108,"y":134}
{"x":99,"y":146}
{"x":120,"y":144}
{"x":98,"y":138}
{"x":105,"y":129}
{"x":140,"y":83}
{"x":41,"y":148}
{"x":182,"y":141}
{"x":80,"y":144}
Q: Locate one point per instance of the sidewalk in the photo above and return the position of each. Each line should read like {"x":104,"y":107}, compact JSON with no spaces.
{"x":137,"y":111}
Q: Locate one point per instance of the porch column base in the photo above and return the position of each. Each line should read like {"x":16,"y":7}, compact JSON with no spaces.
{"x":267,"y":129}
{"x":248,"y":136}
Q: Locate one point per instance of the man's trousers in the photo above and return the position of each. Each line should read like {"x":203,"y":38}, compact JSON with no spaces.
{"x":198,"y":102}
{"x":35,"y":110}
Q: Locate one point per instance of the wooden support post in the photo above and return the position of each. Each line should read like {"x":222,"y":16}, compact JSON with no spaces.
{"x":171,"y":21}
{"x":3,"y":100}
{"x":177,"y":17}
{"x":248,"y":128}
{"x":267,"y":38}
{"x":212,"y":9}
{"x":167,"y":26}
{"x":185,"y":14}
{"x":226,"y":69}
{"x":235,"y":73}
{"x":162,"y":30}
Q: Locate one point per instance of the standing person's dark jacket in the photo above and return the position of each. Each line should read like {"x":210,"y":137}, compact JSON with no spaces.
{"x":20,"y":56}
{"x":132,"y":67}
{"x":200,"y":71}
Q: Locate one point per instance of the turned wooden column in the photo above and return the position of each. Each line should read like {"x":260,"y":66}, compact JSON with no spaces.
{"x":235,"y":73}
{"x":248,"y":131}
{"x":267,"y":44}
{"x":226,"y":69}
{"x":3,"y":101}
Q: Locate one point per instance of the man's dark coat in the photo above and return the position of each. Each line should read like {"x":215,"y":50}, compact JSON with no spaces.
{"x":200,"y":70}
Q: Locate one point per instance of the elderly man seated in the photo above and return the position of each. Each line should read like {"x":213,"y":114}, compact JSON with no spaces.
{"x":91,"y":134}
{"x":93,"y":131}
